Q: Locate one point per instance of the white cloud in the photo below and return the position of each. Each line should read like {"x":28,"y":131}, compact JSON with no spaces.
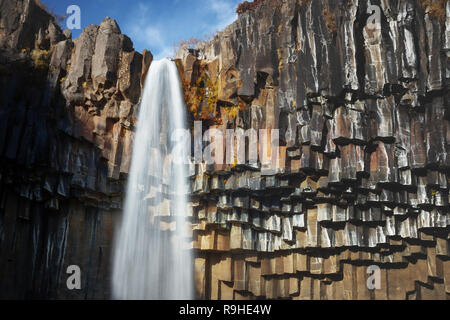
{"x":150,"y":30}
{"x":165,"y":52}
{"x":224,"y":10}
{"x":148,"y":35}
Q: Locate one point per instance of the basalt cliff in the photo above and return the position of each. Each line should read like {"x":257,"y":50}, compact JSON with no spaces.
{"x":362,"y":175}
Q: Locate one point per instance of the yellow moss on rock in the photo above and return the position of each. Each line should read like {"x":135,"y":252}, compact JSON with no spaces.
{"x":231,"y":112}
{"x":41,"y":58}
{"x":280,"y":59}
{"x":202,"y":97}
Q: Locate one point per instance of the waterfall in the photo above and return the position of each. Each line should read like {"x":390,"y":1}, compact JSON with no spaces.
{"x":151,"y":258}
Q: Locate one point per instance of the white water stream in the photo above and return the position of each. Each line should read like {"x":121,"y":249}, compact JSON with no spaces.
{"x":150,"y":256}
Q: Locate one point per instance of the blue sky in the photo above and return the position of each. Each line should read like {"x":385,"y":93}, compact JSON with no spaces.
{"x":155,"y":24}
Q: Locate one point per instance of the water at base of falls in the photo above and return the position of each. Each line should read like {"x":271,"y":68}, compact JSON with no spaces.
{"x":151,"y":258}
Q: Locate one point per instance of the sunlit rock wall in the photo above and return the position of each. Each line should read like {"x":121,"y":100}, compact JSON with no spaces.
{"x":364,"y":166}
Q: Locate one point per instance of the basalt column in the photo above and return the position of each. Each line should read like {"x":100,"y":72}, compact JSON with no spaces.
{"x":362,"y":108}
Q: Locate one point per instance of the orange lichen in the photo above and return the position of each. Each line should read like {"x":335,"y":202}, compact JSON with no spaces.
{"x":330,"y":21}
{"x":201,"y":96}
{"x":436,"y":9}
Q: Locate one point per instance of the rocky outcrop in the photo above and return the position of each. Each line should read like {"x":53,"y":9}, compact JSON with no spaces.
{"x":363,"y":113}
{"x":67,"y":114}
{"x":25,"y":24}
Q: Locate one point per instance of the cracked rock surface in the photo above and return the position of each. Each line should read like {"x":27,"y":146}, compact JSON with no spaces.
{"x":363,"y":179}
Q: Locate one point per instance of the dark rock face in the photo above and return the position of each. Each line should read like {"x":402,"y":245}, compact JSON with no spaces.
{"x":67,"y":115}
{"x":363,"y":115}
{"x":24,"y":24}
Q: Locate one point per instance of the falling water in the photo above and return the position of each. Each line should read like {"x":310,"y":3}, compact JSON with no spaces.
{"x":151,"y":260}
